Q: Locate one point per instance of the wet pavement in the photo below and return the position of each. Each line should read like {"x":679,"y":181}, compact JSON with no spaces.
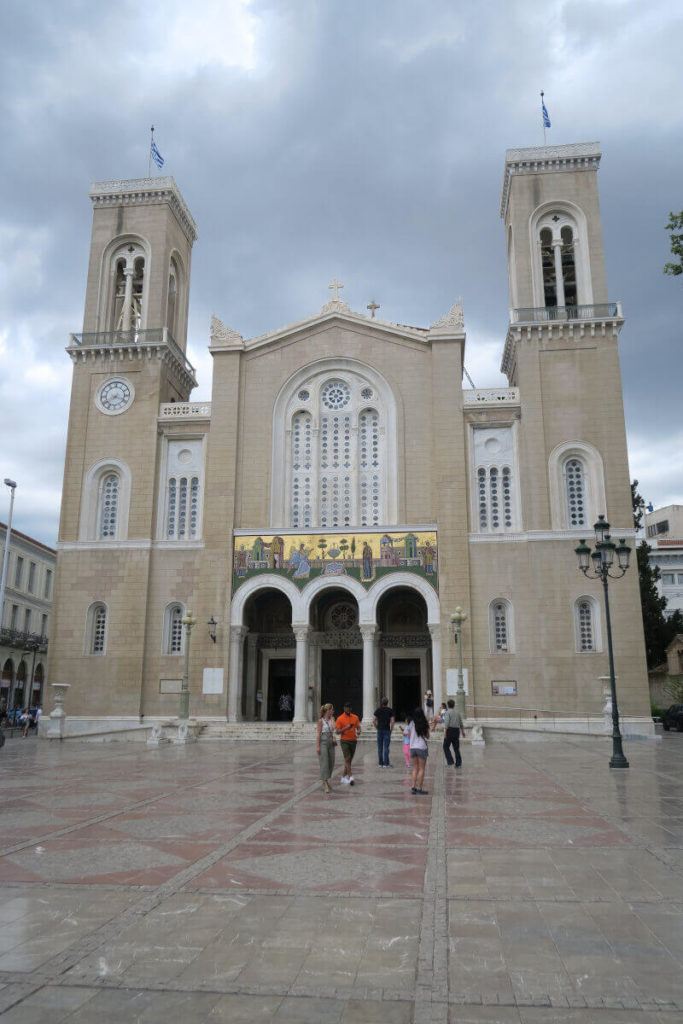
{"x":217,"y":882}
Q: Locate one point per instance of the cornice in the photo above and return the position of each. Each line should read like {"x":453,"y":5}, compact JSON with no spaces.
{"x":418,"y":334}
{"x":578,"y":156}
{"x":134,"y":353}
{"x":145,"y":192}
{"x":532,"y":536}
{"x":557,"y":330}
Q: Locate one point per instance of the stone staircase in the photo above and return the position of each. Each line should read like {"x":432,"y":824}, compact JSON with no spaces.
{"x":259,"y":731}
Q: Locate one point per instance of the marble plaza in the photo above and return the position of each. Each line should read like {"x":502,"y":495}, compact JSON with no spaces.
{"x":216,"y":882}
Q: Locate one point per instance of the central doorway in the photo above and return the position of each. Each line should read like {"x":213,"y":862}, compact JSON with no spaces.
{"x":280,"y":681}
{"x":342,"y":680}
{"x":406,"y":686}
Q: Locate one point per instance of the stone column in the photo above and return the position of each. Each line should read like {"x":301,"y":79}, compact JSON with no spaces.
{"x":437,"y":671}
{"x":301,"y":632}
{"x":237,"y":635}
{"x":368,"y":632}
{"x":252,"y":670}
{"x":127,"y":319}
{"x":559,"y":276}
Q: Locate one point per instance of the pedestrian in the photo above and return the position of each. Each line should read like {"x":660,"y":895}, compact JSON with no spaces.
{"x":406,"y":740}
{"x":286,"y":706}
{"x":26,"y":720}
{"x":429,"y":706}
{"x":325,"y":744}
{"x":384,"y":721}
{"x":348,"y":727}
{"x":419,"y":752}
{"x":442,"y":713}
{"x":453,"y":727}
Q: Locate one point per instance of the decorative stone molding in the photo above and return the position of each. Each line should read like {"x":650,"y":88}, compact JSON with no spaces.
{"x":476,"y":735}
{"x":57,"y":719}
{"x":222,"y":336}
{"x":453,"y":321}
{"x":114,"y":349}
{"x":336,"y":306}
{"x":237,"y":634}
{"x":301,"y":633}
{"x":490,"y":396}
{"x":145,"y":192}
{"x":368,"y":631}
{"x":580,"y":156}
{"x":554,"y":331}
{"x":184,"y":410}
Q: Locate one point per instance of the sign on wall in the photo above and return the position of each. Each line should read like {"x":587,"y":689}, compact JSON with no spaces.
{"x":365,"y":557}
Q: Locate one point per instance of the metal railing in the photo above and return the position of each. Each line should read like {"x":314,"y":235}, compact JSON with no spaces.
{"x":536,"y":718}
{"x":124,"y":339}
{"x":19,"y":638}
{"x":551,"y":314}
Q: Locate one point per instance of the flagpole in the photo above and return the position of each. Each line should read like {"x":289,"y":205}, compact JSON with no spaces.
{"x":149,"y":161}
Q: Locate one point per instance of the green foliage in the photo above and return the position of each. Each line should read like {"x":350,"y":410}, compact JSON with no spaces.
{"x":675,"y":226}
{"x":655,"y":710}
{"x":659,"y":630}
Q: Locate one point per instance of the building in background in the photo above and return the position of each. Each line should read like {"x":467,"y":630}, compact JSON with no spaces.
{"x":342,"y":493}
{"x":664,"y":534}
{"x":26,"y":619}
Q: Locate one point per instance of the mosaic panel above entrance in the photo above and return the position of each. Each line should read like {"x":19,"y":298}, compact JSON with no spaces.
{"x":365,"y":557}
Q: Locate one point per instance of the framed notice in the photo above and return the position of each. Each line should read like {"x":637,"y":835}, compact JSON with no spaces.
{"x":170,"y":685}
{"x":212,"y":680}
{"x":503,"y":687}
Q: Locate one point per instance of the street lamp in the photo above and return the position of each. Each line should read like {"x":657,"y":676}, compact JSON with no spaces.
{"x":603,"y":560}
{"x":212,"y":628}
{"x":5,"y":561}
{"x":458,"y":618}
{"x":188,"y":622}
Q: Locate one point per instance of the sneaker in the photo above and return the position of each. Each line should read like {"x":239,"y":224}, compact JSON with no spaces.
{"x":350,"y":780}
{"x":388,"y":766}
{"x":345,"y":780}
{"x":413,"y":790}
{"x":423,"y":792}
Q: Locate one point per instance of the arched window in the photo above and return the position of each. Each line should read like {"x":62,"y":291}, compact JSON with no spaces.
{"x":172,"y":299}
{"x":496,"y":501}
{"x":337,"y":427}
{"x":587,"y":625}
{"x":183,"y":472}
{"x":108,"y":512}
{"x":128,"y":287}
{"x":173,"y":629}
{"x":105,"y":501}
{"x":561,"y":266}
{"x":500,"y":626}
{"x":577,"y":486}
{"x":96,"y":629}
{"x":575,"y":490}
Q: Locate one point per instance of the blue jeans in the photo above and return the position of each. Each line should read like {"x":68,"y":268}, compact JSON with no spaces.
{"x":383,"y":740}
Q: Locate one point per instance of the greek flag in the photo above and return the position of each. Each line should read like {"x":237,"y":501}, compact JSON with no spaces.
{"x":546,"y":119}
{"x":156,"y":155}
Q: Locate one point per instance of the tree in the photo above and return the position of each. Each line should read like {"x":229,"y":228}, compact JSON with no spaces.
{"x":658,"y":629}
{"x":675,"y":225}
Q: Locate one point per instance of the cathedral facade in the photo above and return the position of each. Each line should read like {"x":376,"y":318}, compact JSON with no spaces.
{"x":342,"y":493}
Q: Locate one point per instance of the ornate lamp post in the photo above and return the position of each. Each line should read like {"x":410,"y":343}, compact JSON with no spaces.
{"x":184,"y":710}
{"x":603,"y":560}
{"x":457,"y":618}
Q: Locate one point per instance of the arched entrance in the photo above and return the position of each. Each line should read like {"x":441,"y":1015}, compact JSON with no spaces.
{"x":336,"y":651}
{"x":38,"y":680}
{"x":20,"y":686}
{"x":405,"y":649}
{"x":6,"y":682}
{"x":269,"y":658}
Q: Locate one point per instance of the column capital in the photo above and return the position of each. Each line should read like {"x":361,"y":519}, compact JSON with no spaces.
{"x":434,"y":629}
{"x":368,"y":630}
{"x":238,"y":633}
{"x":301,"y":632}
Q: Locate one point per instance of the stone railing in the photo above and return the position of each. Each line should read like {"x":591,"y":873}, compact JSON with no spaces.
{"x":184,"y":410}
{"x":126,"y":339}
{"x":551,"y":314}
{"x":491,"y":396}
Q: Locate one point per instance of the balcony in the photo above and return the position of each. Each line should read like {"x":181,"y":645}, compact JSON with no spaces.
{"x":185,"y":410}
{"x":490,"y":397}
{"x":18,"y":639}
{"x":143,"y":340}
{"x":562,"y":314}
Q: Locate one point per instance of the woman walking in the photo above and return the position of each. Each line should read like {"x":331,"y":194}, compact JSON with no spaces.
{"x":418,"y":734}
{"x":325,"y":744}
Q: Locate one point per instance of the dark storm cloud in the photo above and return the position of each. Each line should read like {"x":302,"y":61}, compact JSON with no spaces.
{"x":322,"y":139}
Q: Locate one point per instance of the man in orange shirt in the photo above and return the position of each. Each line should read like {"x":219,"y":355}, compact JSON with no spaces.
{"x":348,"y":726}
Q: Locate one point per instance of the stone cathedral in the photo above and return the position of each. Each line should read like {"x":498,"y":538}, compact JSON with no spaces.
{"x":343,"y":493}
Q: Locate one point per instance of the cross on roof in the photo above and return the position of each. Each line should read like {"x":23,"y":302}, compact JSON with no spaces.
{"x":336,"y":285}
{"x":372,"y":307}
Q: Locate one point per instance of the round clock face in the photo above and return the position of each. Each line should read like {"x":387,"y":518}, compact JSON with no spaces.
{"x":115,"y":395}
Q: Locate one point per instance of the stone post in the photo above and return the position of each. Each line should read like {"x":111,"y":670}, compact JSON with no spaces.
{"x":252,"y":670}
{"x":437,"y":671}
{"x":57,"y":719}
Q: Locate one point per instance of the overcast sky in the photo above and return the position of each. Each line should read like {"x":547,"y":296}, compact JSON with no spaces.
{"x":322,"y":138}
